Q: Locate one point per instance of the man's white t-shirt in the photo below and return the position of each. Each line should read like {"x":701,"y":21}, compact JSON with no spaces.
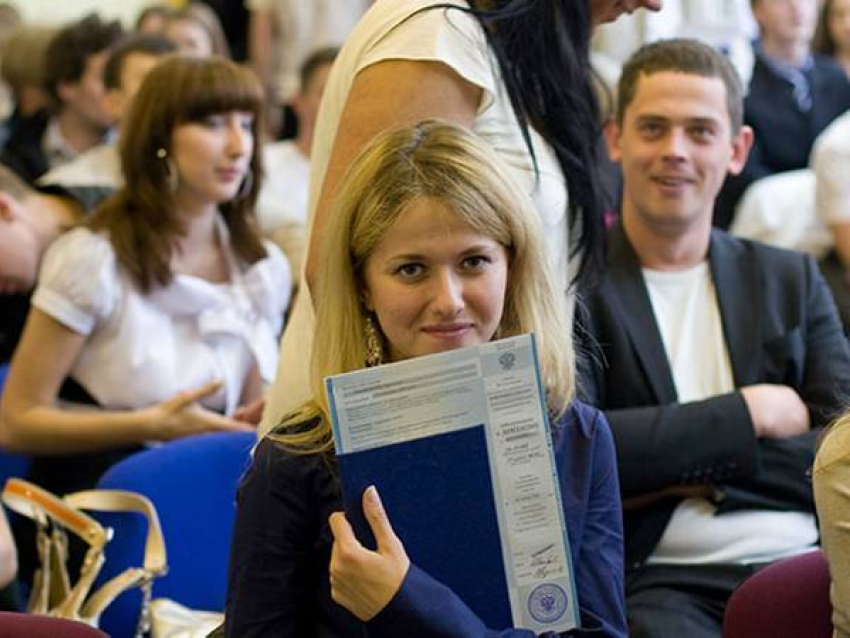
{"x":688,"y":318}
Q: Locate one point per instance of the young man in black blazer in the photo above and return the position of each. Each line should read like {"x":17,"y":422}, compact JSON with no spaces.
{"x":715,"y":360}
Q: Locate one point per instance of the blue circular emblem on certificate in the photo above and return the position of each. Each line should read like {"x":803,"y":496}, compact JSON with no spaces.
{"x":547,"y":603}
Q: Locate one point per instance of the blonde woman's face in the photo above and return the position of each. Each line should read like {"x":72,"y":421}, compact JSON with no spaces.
{"x":434,"y":283}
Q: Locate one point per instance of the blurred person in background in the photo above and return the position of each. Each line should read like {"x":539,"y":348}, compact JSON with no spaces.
{"x":282,"y":206}
{"x":282,"y":34}
{"x":196,"y":30}
{"x":152,"y":19}
{"x":832,"y":36}
{"x":22,"y":70}
{"x":126,"y":68}
{"x":77,"y":118}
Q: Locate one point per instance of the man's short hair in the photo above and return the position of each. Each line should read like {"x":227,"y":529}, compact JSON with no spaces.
{"x":316,"y":61}
{"x":68,"y":53}
{"x":147,"y":44}
{"x":681,"y":56}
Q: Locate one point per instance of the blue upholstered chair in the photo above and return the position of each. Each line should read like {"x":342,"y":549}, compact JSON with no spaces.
{"x":11,"y":465}
{"x":192,"y":482}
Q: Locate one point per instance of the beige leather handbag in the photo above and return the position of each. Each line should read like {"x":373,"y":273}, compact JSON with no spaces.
{"x":52,"y":592}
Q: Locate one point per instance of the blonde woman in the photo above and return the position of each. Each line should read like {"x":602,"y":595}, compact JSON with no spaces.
{"x":430,"y":247}
{"x":831,"y":477}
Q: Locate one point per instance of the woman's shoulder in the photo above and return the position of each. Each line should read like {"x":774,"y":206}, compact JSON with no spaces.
{"x":282,"y":462}
{"x":583,"y":430}
{"x":423,"y":30}
{"x":583,"y":419}
{"x":82,"y":243}
{"x":78,"y":281}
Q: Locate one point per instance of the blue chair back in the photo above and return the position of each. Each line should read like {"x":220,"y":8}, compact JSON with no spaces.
{"x":192,"y":482}
{"x":11,"y":465}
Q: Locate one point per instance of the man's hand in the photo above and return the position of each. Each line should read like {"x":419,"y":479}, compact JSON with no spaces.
{"x":777,"y":411}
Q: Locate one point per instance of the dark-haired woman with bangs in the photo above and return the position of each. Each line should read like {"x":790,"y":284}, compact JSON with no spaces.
{"x":162,"y":310}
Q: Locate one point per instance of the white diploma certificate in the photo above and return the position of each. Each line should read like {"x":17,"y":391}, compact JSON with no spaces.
{"x":496,"y":386}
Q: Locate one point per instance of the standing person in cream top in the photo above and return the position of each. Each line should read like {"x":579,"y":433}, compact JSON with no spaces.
{"x":407,"y":61}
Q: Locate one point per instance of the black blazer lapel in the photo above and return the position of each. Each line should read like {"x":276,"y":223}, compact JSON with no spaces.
{"x":629,"y":292}
{"x":739,"y":296}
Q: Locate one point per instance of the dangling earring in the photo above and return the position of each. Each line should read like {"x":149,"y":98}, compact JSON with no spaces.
{"x":374,"y":349}
{"x":172,"y":179}
{"x":246,"y":185}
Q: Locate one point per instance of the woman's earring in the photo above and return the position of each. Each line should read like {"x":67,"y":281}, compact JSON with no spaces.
{"x":246,"y":185}
{"x":374,"y":348}
{"x":172,"y":179}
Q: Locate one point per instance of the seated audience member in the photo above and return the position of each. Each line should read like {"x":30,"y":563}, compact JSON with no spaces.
{"x":77,"y":119}
{"x":196,"y":30}
{"x":831,"y":478}
{"x":126,"y":67}
{"x":727,"y":25}
{"x":283,"y":34}
{"x":163,"y":308}
{"x":29,"y":222}
{"x":22,"y":69}
{"x":152,"y":19}
{"x":10,"y":23}
{"x":831,"y":165}
{"x":282,"y":205}
{"x":832,"y":36}
{"x":716,"y":360}
{"x":429,"y":230}
{"x":793,"y":95}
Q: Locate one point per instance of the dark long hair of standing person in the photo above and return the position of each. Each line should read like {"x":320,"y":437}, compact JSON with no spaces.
{"x":543,"y":50}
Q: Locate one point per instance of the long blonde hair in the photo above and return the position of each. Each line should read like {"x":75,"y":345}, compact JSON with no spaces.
{"x":447,"y":163}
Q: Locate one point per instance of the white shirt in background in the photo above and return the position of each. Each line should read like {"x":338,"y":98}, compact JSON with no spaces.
{"x":144,"y":348}
{"x":282,"y":203}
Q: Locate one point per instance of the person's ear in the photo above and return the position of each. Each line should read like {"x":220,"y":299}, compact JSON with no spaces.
{"x":612,"y":139}
{"x":113,"y":101}
{"x":9,"y":209}
{"x":66,"y":91}
{"x":742,"y":142}
{"x":297,"y":104}
{"x":366,"y":298}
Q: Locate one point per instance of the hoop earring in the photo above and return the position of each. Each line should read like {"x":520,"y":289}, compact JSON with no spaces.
{"x":172,"y":178}
{"x":246,"y":185}
{"x":374,"y":347}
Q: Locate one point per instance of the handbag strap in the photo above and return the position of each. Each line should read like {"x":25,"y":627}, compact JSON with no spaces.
{"x":42,"y":506}
{"x":155,"y":560}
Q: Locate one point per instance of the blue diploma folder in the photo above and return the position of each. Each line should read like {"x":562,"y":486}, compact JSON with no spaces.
{"x":439,"y":498}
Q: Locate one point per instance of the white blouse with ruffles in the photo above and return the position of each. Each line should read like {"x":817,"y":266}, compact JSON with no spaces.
{"x":143,"y":349}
